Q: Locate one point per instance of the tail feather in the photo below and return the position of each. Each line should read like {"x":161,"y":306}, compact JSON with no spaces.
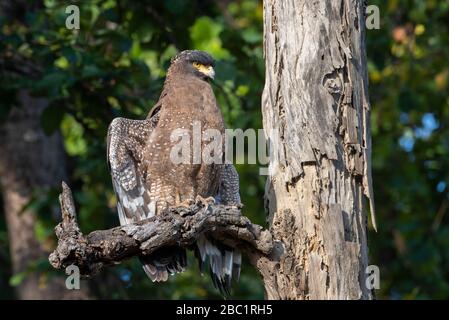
{"x":164,"y":262}
{"x":224,"y":263}
{"x":236,"y":265}
{"x":155,"y":274}
{"x":199,"y":258}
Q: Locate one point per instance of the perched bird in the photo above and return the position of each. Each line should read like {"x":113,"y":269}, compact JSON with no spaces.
{"x":146,"y":181}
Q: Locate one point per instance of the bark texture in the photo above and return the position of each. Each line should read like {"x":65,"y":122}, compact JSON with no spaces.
{"x":316,"y":119}
{"x":29,"y":160}
{"x":175,"y":226}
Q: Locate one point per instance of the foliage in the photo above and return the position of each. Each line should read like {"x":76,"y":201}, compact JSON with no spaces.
{"x":409,"y":73}
{"x":115,"y":66}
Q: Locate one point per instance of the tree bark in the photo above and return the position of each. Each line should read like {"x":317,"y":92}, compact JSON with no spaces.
{"x":29,"y":160}
{"x":316,"y":119}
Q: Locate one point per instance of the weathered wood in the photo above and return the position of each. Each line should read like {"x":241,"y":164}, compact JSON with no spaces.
{"x":316,"y":118}
{"x":175,"y":226}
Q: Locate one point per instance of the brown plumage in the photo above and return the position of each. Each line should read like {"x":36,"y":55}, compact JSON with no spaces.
{"x":146,"y":180}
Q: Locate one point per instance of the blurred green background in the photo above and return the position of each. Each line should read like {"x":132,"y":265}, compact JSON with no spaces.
{"x":115,"y":66}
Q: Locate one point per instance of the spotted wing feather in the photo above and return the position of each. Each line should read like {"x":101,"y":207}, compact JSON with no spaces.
{"x":126,"y":143}
{"x":125,"y":149}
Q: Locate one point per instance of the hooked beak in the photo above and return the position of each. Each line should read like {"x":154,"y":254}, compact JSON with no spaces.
{"x":211,"y":72}
{"x":208,"y":71}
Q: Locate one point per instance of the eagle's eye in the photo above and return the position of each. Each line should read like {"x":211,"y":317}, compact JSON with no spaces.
{"x":207,"y":70}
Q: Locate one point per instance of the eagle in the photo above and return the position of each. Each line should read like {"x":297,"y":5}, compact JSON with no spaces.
{"x":146,"y":180}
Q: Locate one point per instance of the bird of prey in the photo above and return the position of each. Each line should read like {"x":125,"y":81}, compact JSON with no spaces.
{"x":146,"y":181}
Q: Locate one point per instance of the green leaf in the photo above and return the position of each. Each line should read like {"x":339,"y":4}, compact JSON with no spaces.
{"x":90,"y":71}
{"x":242,"y":91}
{"x":17,"y":279}
{"x":205,"y":36}
{"x":62,"y":63}
{"x":52,"y":80}
{"x":252,"y":36}
{"x":73,"y":132}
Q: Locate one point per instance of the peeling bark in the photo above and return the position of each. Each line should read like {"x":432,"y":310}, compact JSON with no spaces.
{"x":316,"y":119}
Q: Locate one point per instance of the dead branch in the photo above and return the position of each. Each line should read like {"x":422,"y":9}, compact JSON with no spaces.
{"x":175,"y":226}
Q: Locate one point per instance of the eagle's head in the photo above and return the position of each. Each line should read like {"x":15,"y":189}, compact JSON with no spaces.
{"x":194,"y":62}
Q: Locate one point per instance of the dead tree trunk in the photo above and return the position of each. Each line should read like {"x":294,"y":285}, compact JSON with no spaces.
{"x":316,"y":119}
{"x":29,"y":159}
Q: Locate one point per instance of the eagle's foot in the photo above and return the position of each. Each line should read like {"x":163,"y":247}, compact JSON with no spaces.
{"x":206,"y":201}
{"x":185,"y":204}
